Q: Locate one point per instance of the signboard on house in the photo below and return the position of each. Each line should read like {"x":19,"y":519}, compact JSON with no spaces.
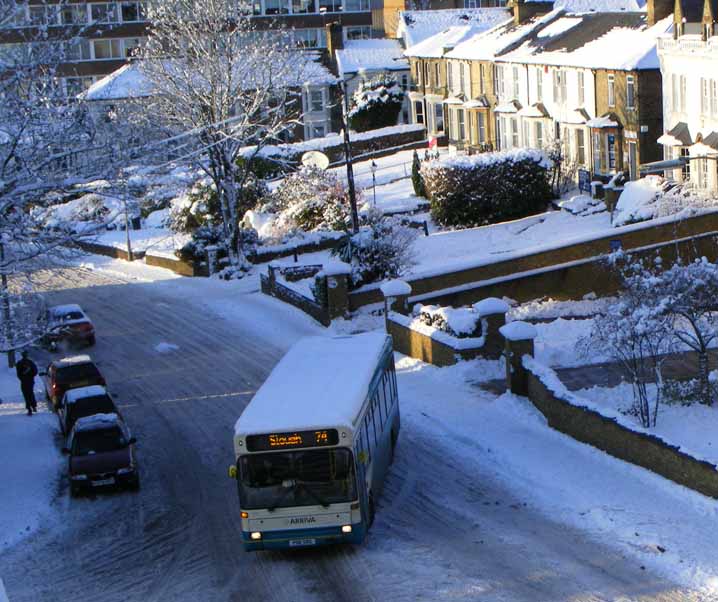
{"x":584,"y":180}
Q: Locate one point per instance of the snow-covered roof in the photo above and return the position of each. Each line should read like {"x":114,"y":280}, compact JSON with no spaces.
{"x":65,"y":309}
{"x":132,"y":80}
{"x":591,"y":40}
{"x":438,"y":44}
{"x":83,"y":392}
{"x":321,"y":382}
{"x":75,"y":359}
{"x":97,"y":421}
{"x":609,"y":120}
{"x":415,"y":26}
{"x":371,"y":55}
{"x":678,"y":135}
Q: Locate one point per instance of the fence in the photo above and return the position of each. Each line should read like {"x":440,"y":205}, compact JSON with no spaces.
{"x":288,"y":295}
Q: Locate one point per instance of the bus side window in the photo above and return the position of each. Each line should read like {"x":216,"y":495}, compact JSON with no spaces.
{"x":365,"y":439}
{"x":386,"y":392}
{"x":395,"y":391}
{"x":377,"y":403}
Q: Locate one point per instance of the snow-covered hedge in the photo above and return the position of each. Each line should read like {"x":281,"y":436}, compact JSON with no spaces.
{"x":376,"y":104}
{"x":459,"y":322}
{"x":487,"y":188}
{"x":653,"y":197}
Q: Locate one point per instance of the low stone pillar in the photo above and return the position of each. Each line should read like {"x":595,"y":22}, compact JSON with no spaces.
{"x":396,"y":296}
{"x":519,"y":337}
{"x":337,"y":287}
{"x":492,"y":312}
{"x":272,"y":270}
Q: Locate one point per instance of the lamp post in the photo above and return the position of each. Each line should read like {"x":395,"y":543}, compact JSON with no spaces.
{"x":373,"y":178}
{"x":348,"y":155}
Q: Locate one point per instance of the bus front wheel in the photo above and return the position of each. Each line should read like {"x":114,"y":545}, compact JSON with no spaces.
{"x":371,"y":510}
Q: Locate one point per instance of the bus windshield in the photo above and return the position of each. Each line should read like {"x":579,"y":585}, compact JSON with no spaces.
{"x":297,"y":478}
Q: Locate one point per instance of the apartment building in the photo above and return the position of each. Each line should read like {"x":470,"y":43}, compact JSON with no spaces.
{"x":689,"y":65}
{"x":547,"y":76}
{"x":109,"y":32}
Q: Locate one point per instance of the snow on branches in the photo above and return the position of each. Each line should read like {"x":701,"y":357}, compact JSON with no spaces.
{"x":376,"y":103}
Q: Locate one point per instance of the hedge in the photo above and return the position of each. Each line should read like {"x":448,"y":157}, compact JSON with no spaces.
{"x":487,"y":188}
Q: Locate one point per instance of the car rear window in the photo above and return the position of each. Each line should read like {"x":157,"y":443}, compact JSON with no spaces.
{"x":78,"y":372}
{"x":87,"y":406}
{"x":98,"y":441}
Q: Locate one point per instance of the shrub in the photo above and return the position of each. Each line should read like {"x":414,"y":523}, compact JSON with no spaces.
{"x":459,"y":322}
{"x":381,"y":249}
{"x":376,"y":104}
{"x":309,"y":199}
{"x":212,"y":235}
{"x":416,"y":180}
{"x":483,"y":189}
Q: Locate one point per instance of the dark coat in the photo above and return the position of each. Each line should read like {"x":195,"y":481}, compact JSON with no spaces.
{"x":26,"y":370}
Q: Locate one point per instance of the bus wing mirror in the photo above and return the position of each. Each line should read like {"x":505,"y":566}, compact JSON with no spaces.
{"x":232,"y":472}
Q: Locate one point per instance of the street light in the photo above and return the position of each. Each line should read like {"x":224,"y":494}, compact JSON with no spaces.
{"x":348,"y":152}
{"x":373,"y":178}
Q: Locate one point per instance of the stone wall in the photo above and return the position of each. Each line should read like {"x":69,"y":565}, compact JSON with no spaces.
{"x":645,"y":450}
{"x":628,"y":237}
{"x":178,"y":266}
{"x":108,"y":251}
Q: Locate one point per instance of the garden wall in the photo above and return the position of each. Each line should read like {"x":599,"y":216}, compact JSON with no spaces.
{"x":109,"y":251}
{"x":444,"y":350}
{"x":627,"y":237}
{"x":178,"y":266}
{"x":645,"y":450}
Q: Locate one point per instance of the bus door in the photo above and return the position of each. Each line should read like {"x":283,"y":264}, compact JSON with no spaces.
{"x":361,"y":458}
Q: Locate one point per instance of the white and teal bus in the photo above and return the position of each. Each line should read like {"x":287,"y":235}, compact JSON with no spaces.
{"x":315,"y":443}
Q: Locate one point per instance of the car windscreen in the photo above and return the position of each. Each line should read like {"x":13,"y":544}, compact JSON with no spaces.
{"x":88,"y":406}
{"x":77,"y":373}
{"x":296,"y":478}
{"x":98,"y":441}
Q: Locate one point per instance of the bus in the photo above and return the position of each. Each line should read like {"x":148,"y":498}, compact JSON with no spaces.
{"x":314,"y":444}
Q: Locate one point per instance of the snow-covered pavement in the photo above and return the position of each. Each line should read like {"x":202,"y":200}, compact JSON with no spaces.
{"x":484,"y":502}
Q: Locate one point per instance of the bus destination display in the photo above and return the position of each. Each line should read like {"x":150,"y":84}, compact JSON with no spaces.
{"x":292,"y":440}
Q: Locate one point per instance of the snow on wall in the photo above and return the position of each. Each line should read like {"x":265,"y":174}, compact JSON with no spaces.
{"x":518,"y":331}
{"x":395,"y":288}
{"x":438,"y":335}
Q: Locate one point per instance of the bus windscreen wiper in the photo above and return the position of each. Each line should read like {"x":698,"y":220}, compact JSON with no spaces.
{"x":313,"y":494}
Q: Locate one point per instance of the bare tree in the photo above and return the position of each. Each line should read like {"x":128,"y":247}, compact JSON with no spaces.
{"x":635,"y":331}
{"x":688,"y":294}
{"x":214,"y":73}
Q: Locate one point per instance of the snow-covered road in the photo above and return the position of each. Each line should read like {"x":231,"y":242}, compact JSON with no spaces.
{"x":449,"y":527}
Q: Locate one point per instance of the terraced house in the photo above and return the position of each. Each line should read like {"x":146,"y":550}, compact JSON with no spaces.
{"x":689,"y":64}
{"x":553,"y":76}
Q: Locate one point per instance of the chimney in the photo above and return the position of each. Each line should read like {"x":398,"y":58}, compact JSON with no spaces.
{"x":335,"y":41}
{"x":658,"y":9}
{"x":523,"y":11}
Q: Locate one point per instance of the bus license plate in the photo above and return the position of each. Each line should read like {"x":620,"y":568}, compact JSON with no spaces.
{"x":109,"y":481}
{"x":301,"y":542}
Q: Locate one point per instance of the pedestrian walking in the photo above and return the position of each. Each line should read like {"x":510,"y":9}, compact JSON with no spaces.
{"x":26,"y":373}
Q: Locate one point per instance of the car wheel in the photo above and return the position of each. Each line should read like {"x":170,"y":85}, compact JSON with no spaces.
{"x":372,"y":511}
{"x":91,"y":341}
{"x":75,"y":490}
{"x":135,"y":485}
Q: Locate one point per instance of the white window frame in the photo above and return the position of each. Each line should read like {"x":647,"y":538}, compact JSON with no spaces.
{"x":311,"y":99}
{"x":539,"y":84}
{"x":611,"y":90}
{"x":515,"y":81}
{"x":705,"y":97}
{"x":581,"y":88}
{"x":630,"y":92}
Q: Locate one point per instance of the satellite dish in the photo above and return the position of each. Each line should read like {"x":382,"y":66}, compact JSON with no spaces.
{"x":315,"y":159}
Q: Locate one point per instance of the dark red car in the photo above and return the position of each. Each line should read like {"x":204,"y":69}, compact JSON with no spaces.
{"x":68,"y":324}
{"x":70,"y":373}
{"x":102,"y":454}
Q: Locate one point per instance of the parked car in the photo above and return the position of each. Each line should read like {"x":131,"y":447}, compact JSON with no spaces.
{"x":81,"y":402}
{"x":102,"y":453}
{"x":70,"y":373}
{"x":68,"y":324}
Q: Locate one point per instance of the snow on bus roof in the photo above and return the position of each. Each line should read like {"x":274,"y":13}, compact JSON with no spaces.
{"x":321,"y":382}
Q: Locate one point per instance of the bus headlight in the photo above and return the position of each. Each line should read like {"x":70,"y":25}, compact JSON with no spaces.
{"x":347,"y":529}
{"x":256,"y":535}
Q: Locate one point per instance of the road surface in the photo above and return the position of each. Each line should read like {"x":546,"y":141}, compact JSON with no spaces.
{"x":182,"y":376}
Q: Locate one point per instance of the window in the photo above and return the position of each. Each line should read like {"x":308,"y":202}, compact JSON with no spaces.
{"x":304,"y":6}
{"x":499,"y":80}
{"x":515,"y":132}
{"x":581,"y":89}
{"x":525,"y":124}
{"x":462,"y":126}
{"x":539,"y":84}
{"x":714,"y":98}
{"x":356,"y":5}
{"x":703,"y":173}
{"x":482,"y":128}
{"x":317,"y":131}
{"x":78,"y":50}
{"x":419,"y":111}
{"x":515,"y":81}
{"x":481,"y":78}
{"x":611,"y":91}
{"x":427,"y":74}
{"x":450,"y":76}
{"x":462,"y":78}
{"x":597,"y":153}
{"x":686,"y":171}
{"x":73,"y":14}
{"x":276,"y":7}
{"x":331,"y":6}
{"x":43,"y":15}
{"x":683,"y":92}
{"x":105,"y":12}
{"x":437,"y":74}
{"x":580,"y":147}
{"x":316,"y":101}
{"x":131,"y":46}
{"x":675,"y":95}
{"x":611,"y":143}
{"x":539,"y":134}
{"x":630,"y":92}
{"x":404,"y":81}
{"x":132,"y":12}
{"x":358,"y":32}
{"x":559,"y":86}
{"x":76,"y":85}
{"x":438,"y":118}
{"x":705,"y":97}
{"x":107,"y":49}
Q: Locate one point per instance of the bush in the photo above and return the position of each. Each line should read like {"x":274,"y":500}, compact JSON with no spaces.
{"x":461,"y":322}
{"x":416,"y":180}
{"x":380,"y":250}
{"x":484,"y":189}
{"x":376,"y":104}
{"x":309,"y":199}
{"x":212,"y":235}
